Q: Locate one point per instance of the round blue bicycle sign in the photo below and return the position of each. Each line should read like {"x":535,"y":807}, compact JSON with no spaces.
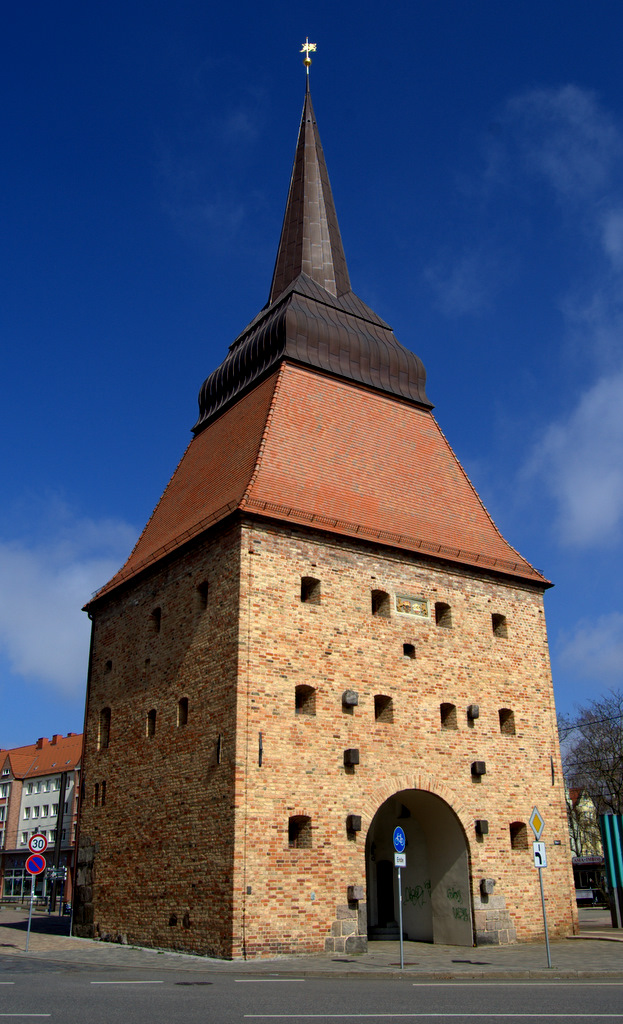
{"x":399,"y":840}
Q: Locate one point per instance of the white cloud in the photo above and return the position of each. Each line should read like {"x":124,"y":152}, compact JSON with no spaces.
{"x":594,"y":651}
{"x":567,"y":138}
{"x":43,"y":632}
{"x":580,"y":461}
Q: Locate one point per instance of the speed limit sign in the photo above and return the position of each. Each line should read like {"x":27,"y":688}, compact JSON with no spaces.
{"x":37,"y":844}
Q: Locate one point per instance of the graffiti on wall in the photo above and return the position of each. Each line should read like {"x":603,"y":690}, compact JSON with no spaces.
{"x":417,"y":894}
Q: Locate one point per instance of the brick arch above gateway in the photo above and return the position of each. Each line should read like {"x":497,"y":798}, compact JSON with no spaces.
{"x":309,"y":449}
{"x":395,"y":784}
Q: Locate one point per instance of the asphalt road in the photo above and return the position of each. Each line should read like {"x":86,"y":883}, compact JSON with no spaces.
{"x":65,"y":994}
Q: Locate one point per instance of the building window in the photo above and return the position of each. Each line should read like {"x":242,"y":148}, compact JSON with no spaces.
{"x":383,"y":708}
{"x":182,"y":712}
{"x":380,"y":603}
{"x":45,"y":810}
{"x":408,"y":651}
{"x":103,"y":738}
{"x":519,"y":835}
{"x":156,"y":619}
{"x":54,"y":810}
{"x":507,"y":721}
{"x":26,"y":813}
{"x":4,"y":789}
{"x":448,"y":716}
{"x":443,"y":615}
{"x":498,"y":624}
{"x":2,"y":813}
{"x":202,"y":594}
{"x":96,"y":795}
{"x":57,"y":783}
{"x":150,"y":723}
{"x":29,"y":789}
{"x":299,"y":832}
{"x":310,"y":590}
{"x":24,"y":838}
{"x":108,"y":666}
{"x":305,"y":700}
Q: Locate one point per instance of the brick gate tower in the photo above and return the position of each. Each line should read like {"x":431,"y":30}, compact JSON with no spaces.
{"x":320,"y":634}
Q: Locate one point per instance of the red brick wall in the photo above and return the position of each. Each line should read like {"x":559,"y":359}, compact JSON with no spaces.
{"x":163,"y":842}
{"x":338,"y":645}
{"x":164,"y":871}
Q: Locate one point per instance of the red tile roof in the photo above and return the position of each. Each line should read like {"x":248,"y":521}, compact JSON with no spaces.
{"x":60,"y":754}
{"x":315,"y":450}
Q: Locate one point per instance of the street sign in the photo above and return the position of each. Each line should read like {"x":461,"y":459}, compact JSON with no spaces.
{"x":35,"y":864}
{"x":540,"y":856}
{"x":400,"y":840}
{"x":37,"y":844}
{"x":536,"y":823}
{"x":400,"y":860}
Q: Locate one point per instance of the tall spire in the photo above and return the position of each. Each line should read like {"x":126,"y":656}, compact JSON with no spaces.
{"x":310,"y":237}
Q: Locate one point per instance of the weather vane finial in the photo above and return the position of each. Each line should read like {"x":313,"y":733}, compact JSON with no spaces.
{"x":307,"y":48}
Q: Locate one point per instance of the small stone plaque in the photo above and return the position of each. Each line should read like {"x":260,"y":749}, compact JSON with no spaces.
{"x":408,"y":605}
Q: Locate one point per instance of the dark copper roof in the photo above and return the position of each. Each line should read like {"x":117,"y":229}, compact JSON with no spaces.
{"x":310,"y":240}
{"x":312,"y":316}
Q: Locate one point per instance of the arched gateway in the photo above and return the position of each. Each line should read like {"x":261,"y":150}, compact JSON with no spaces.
{"x":436,"y":890}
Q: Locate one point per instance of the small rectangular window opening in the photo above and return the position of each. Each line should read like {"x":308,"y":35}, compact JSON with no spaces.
{"x":310,"y":590}
{"x":447,"y":713}
{"x":305,"y":700}
{"x":408,"y":651}
{"x":182,"y":712}
{"x":519,"y":835}
{"x":383,"y":708}
{"x":96,"y":795}
{"x":156,"y":618}
{"x":498,"y":624}
{"x":299,"y":832}
{"x":202,"y":591}
{"x":507,"y":721}
{"x":150,"y":724}
{"x":380,"y":603}
{"x":443,"y":615}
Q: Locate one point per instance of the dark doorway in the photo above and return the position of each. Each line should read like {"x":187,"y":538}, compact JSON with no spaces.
{"x":384,"y":892}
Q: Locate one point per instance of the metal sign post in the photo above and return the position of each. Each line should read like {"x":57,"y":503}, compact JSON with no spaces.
{"x":400,"y":861}
{"x":537,"y":824}
{"x":34,"y":866}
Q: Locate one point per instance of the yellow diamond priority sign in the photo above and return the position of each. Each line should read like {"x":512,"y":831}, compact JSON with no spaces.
{"x":536,"y":823}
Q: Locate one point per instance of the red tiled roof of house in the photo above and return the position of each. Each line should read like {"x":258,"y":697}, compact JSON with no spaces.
{"x":315,"y":450}
{"x":60,"y":754}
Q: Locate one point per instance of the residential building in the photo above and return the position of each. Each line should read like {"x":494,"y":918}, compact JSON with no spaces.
{"x":39,"y":794}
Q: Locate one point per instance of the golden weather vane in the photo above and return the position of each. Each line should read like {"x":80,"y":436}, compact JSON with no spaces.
{"x":307,"y":48}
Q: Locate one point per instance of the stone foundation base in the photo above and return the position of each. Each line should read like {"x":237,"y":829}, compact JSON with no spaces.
{"x":492,"y":922}
{"x":349,"y":931}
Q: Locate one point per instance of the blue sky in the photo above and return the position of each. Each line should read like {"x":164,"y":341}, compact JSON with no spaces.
{"x":476,"y":158}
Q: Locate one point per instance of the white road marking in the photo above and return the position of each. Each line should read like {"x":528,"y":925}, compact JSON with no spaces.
{"x":433,"y":1016}
{"x":24,"y":1014}
{"x":127,"y":982}
{"x":532,"y":982}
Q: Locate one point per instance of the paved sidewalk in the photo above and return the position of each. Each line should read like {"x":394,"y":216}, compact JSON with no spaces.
{"x":591,"y":955}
